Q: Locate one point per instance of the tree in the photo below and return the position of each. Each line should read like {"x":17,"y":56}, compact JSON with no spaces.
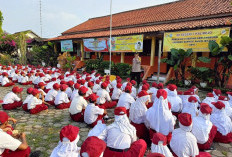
{"x":178,"y":60}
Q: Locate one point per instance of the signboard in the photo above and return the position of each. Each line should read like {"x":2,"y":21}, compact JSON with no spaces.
{"x":196,"y":39}
{"x":66,"y":45}
{"x":127,"y":43}
{"x":95,"y":45}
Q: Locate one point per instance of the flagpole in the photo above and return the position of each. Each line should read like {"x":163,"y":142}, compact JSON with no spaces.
{"x":110,"y":33}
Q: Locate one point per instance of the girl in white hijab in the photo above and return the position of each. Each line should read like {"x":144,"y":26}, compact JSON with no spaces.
{"x":159,"y":116}
{"x":191,"y":106}
{"x":228,"y":109}
{"x":67,"y":146}
{"x":174,"y":99}
{"x":230,"y":98}
{"x":209,"y":99}
{"x":223,"y":123}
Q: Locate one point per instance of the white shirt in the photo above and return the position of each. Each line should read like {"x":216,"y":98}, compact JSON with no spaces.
{"x":103,"y":96}
{"x":50,"y":85}
{"x":74,"y":94}
{"x":89,"y":92}
{"x":24,"y":79}
{"x":114,"y":83}
{"x":8,"y":142}
{"x":96,"y":87}
{"x":5,"y":80}
{"x":125,"y":100}
{"x":15,"y":77}
{"x":116,"y":93}
{"x":10,"y":98}
{"x":175,"y":100}
{"x":69,"y":92}
{"x":50,"y":96}
{"x":27,"y":99}
{"x":124,"y":85}
{"x":77,"y":105}
{"x":61,"y":97}
{"x":134,"y":92}
{"x":91,"y":113}
{"x":33,"y":102}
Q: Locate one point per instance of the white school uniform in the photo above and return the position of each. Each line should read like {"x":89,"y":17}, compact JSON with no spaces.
{"x":134,"y":92}
{"x":91,"y":113}
{"x":89,"y":92}
{"x":5,"y":80}
{"x":27,"y":99}
{"x":11,"y":98}
{"x":8,"y":142}
{"x":33,"y":102}
{"x":77,"y":105}
{"x":50,"y":96}
{"x":74,"y":94}
{"x":125,"y":100}
{"x":103,"y":96}
{"x":24,"y":79}
{"x":61,"y":97}
{"x":116,"y":93}
{"x":68,"y":92}
{"x":96,"y":87}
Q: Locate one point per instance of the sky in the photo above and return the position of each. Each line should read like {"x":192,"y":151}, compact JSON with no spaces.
{"x":60,"y":15}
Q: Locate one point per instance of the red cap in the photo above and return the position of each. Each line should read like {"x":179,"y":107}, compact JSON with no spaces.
{"x":158,"y":137}
{"x":128,"y":89}
{"x":92,"y":147}
{"x":144,"y":81}
{"x":192,"y":99}
{"x":172,"y":87}
{"x":180,"y":92}
{"x":63,"y":87}
{"x":41,"y":75}
{"x":194,"y":87}
{"x":56,"y":86}
{"x":16,"y":71}
{"x":61,"y":77}
{"x":163,"y":93}
{"x":90,"y":84}
{"x":229,"y":93}
{"x":35,"y":92}
{"x":205,"y":108}
{"x":53,"y":79}
{"x":210,"y":95}
{"x":41,"y":84}
{"x":188,"y":93}
{"x":98,"y":74}
{"x":223,"y":98}
{"x":160,"y":86}
{"x":142,"y":93}
{"x":217,"y":92}
{"x":98,"y":81}
{"x":133,"y":82}
{"x":104,"y":85}
{"x":63,"y":82}
{"x":22,"y":73}
{"x":88,"y":78}
{"x":100,"y":78}
{"x":77,"y":86}
{"x":120,"y":111}
{"x":82,"y":81}
{"x":119,"y":80}
{"x":219,"y":105}
{"x":29,"y":90}
{"x":17,"y":89}
{"x":119,"y":85}
{"x":128,"y":79}
{"x":70,"y":132}
{"x":93,"y":97}
{"x":185,"y":119}
{"x":155,"y":155}
{"x":70,"y":83}
{"x":3,"y":117}
{"x":83,"y":89}
{"x":144,"y":87}
{"x":148,"y":85}
{"x":5,"y":74}
{"x":154,"y":84}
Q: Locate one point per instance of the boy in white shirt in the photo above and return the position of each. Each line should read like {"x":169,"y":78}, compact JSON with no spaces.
{"x":93,"y":113}
{"x":96,"y":86}
{"x":90,"y":87}
{"x":50,"y":96}
{"x":75,"y":91}
{"x":78,"y":105}
{"x":41,"y":87}
{"x":133,"y":89}
{"x":5,"y":81}
{"x":24,"y":79}
{"x":36,"y":105}
{"x":11,"y":100}
{"x":61,"y":99}
{"x":29,"y":96}
{"x":10,"y":146}
{"x":117,"y":92}
{"x":69,"y":89}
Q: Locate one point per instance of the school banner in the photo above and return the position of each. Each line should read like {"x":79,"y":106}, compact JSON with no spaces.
{"x":132,"y":43}
{"x":195,"y":39}
{"x":66,"y":46}
{"x":96,"y":45}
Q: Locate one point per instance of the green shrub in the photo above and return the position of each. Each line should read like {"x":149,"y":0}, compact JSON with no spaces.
{"x":122,"y":69}
{"x":5,"y":59}
{"x":92,"y":64}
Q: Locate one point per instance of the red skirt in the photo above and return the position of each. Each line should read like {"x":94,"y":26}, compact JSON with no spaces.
{"x":141,"y":131}
{"x":208,"y":144}
{"x":100,"y":117}
{"x":25,"y":83}
{"x":108,"y":105}
{"x":15,"y":81}
{"x":169,"y":136}
{"x":17,"y":153}
{"x":63,"y":106}
{"x":137,"y":149}
{"x":223,"y":139}
{"x":201,"y":154}
{"x":9,"y":84}
{"x":79,"y":117}
{"x":12,"y":106}
{"x":51,"y":103}
{"x":38,"y":108}
{"x":46,"y":90}
{"x":25,"y":107}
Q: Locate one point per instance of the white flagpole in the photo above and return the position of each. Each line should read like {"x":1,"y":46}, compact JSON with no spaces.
{"x":110,"y":33}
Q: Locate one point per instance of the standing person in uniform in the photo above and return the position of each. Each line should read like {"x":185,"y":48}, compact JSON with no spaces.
{"x":136,"y":68}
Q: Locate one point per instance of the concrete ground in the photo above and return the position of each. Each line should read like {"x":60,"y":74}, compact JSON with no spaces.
{"x":43,"y":129}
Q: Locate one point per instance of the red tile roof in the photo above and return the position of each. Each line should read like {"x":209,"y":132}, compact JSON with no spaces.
{"x":154,"y":28}
{"x":170,"y":16}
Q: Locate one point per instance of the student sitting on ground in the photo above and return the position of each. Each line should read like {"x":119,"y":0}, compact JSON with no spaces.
{"x":28,"y":98}
{"x":10,"y":146}
{"x":11,"y":100}
{"x":75,"y":91}
{"x":5,"y":81}
{"x":61,"y":99}
{"x":51,"y":95}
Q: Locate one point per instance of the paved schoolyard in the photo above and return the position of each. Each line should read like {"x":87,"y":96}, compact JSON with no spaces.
{"x":43,"y":129}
